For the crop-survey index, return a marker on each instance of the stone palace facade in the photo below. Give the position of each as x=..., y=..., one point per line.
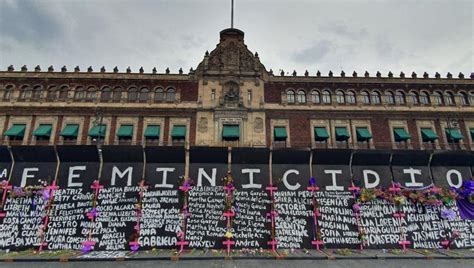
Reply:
x=231, y=99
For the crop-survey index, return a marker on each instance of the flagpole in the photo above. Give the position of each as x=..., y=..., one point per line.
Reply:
x=232, y=14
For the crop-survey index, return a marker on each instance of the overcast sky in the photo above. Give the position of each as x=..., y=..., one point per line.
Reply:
x=373, y=35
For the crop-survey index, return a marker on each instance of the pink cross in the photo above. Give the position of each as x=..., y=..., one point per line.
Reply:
x=185, y=188
x=273, y=243
x=43, y=244
x=404, y=244
x=316, y=213
x=182, y=243
x=271, y=188
x=394, y=188
x=53, y=186
x=88, y=243
x=228, y=243
x=5, y=188
x=399, y=215
x=312, y=188
x=46, y=220
x=354, y=188
x=96, y=186
x=446, y=244
x=229, y=189
x=137, y=227
x=272, y=214
x=317, y=243
x=229, y=214
x=186, y=213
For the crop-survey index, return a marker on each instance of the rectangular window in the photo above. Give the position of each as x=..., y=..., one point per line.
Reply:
x=249, y=95
x=178, y=135
x=213, y=94
x=16, y=132
x=125, y=134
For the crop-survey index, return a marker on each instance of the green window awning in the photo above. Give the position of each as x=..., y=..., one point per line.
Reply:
x=279, y=133
x=152, y=132
x=342, y=134
x=400, y=134
x=320, y=134
x=97, y=131
x=125, y=131
x=16, y=130
x=427, y=134
x=43, y=130
x=70, y=130
x=178, y=132
x=454, y=134
x=230, y=132
x=363, y=134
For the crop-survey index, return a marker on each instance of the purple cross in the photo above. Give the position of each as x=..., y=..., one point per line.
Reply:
x=317, y=243
x=228, y=243
x=134, y=245
x=185, y=187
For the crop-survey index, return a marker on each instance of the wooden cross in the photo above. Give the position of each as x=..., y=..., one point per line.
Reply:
x=317, y=243
x=228, y=243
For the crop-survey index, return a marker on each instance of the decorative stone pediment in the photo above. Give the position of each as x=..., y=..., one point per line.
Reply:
x=231, y=56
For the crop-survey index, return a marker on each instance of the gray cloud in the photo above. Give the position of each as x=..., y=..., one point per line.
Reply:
x=423, y=35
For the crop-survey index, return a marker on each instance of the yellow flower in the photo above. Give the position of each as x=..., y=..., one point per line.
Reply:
x=228, y=235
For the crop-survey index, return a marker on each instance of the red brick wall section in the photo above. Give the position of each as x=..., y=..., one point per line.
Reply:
x=166, y=129
x=139, y=130
x=414, y=133
x=113, y=130
x=381, y=132
x=29, y=136
x=300, y=132
x=192, y=131
x=85, y=130
x=59, y=127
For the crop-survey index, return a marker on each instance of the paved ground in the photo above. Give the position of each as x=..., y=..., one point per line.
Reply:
x=436, y=263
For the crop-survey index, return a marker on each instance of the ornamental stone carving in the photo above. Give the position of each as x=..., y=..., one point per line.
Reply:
x=258, y=126
x=202, y=124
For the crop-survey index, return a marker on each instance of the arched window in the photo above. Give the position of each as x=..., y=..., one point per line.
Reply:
x=375, y=97
x=464, y=98
x=25, y=93
x=37, y=92
x=438, y=98
x=80, y=94
x=64, y=93
x=326, y=97
x=132, y=94
x=315, y=97
x=450, y=99
x=424, y=98
x=389, y=97
x=471, y=97
x=117, y=94
x=351, y=97
x=52, y=93
x=365, y=97
x=340, y=98
x=415, y=98
x=106, y=94
x=144, y=94
x=290, y=96
x=7, y=93
x=301, y=97
x=170, y=94
x=91, y=94
x=159, y=95
x=400, y=98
